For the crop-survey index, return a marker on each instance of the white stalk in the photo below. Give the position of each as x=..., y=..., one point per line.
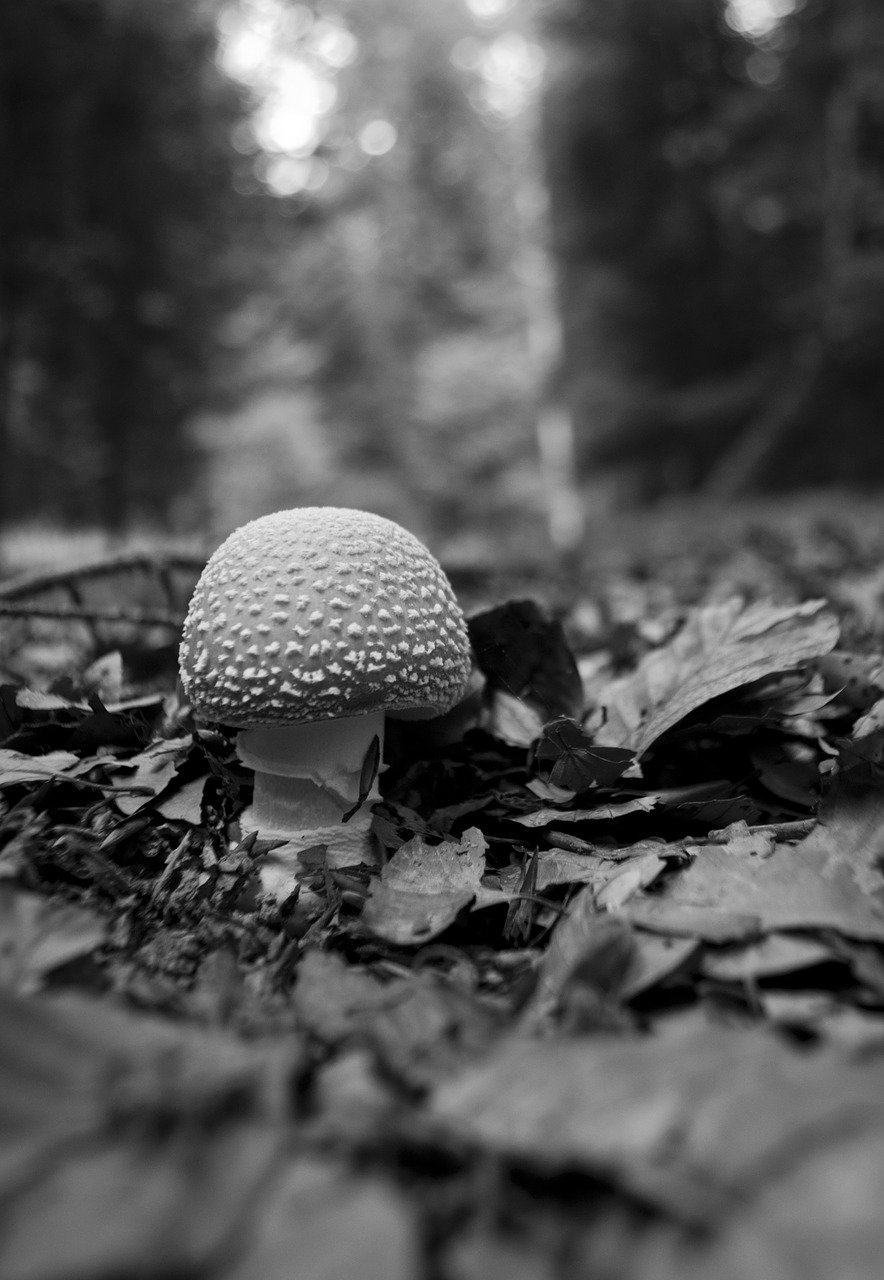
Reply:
x=307, y=776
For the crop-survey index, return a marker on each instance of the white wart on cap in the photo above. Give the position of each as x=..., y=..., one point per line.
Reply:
x=321, y=612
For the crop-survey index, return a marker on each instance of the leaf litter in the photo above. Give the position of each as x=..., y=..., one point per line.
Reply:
x=619, y=976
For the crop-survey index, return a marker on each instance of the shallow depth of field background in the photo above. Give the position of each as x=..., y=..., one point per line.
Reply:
x=499, y=269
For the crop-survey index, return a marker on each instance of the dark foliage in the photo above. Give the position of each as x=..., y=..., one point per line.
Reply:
x=122, y=247
x=717, y=206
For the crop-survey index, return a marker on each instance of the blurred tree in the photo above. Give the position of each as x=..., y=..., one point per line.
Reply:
x=717, y=202
x=120, y=250
x=405, y=284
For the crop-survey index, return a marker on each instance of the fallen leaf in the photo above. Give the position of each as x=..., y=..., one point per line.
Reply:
x=101, y=1211
x=692, y=1117
x=857, y=679
x=587, y=942
x=720, y=648
x=320, y=1222
x=778, y=954
x=816, y=1216
x=525, y=654
x=423, y=888
x=148, y=772
x=739, y=839
x=656, y=958
x=805, y=1009
x=575, y=760
x=546, y=791
x=599, y=813
x=511, y=719
x=38, y=935
x=70, y=1065
x=559, y=866
x=831, y=880
x=419, y=1027
x=17, y=767
x=333, y=998
x=183, y=804
x=480, y=1254
x=637, y=874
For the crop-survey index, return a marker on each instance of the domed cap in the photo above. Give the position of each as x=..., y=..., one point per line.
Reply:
x=321, y=612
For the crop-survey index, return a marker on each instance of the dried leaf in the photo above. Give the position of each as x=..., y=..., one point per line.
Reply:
x=738, y=838
x=636, y=875
x=17, y=767
x=149, y=772
x=546, y=791
x=70, y=1064
x=692, y=1117
x=857, y=679
x=183, y=804
x=418, y=1026
x=525, y=654
x=318, y=1222
x=423, y=888
x=768, y=957
x=831, y=880
x=720, y=648
x=512, y=720
x=574, y=759
x=599, y=813
x=102, y=1211
x=562, y=866
x=522, y=906
x=38, y=935
x=656, y=958
x=587, y=941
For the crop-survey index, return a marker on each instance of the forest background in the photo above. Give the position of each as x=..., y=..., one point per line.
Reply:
x=482, y=266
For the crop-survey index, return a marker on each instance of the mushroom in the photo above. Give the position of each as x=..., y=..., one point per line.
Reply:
x=305, y=629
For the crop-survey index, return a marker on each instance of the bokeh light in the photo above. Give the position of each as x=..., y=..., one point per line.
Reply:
x=758, y=18
x=289, y=59
x=377, y=137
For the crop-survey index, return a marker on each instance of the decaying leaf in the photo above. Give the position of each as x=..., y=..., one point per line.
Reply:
x=148, y=773
x=524, y=653
x=416, y=1025
x=818, y=1215
x=772, y=956
x=319, y=1221
x=720, y=648
x=692, y=1117
x=637, y=874
x=511, y=719
x=589, y=949
x=598, y=813
x=562, y=866
x=575, y=760
x=858, y=679
x=17, y=767
x=831, y=880
x=39, y=935
x=101, y=1211
x=423, y=888
x=71, y=1065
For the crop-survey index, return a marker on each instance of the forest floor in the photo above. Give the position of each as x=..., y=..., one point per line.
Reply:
x=610, y=1005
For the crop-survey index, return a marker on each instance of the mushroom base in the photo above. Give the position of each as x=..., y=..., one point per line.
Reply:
x=307, y=777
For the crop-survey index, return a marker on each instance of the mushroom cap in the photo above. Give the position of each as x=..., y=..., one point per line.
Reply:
x=321, y=612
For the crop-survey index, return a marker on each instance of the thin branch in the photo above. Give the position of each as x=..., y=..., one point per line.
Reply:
x=82, y=613
x=153, y=563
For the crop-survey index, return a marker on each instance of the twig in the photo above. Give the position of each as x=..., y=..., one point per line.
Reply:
x=82, y=613
x=28, y=584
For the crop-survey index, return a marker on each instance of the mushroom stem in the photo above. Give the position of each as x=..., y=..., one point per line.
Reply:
x=307, y=776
